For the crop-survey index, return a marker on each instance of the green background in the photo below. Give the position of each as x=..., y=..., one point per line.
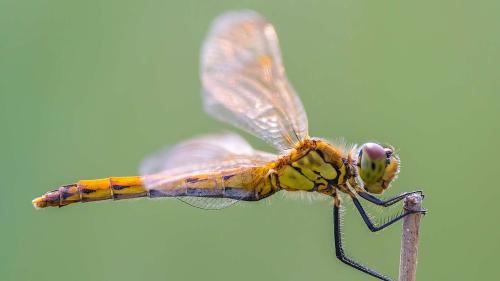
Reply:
x=88, y=88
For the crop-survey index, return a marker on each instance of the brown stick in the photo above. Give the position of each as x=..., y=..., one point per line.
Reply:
x=409, y=240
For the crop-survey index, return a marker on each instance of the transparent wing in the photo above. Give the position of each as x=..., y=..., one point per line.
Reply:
x=244, y=80
x=204, y=154
x=207, y=203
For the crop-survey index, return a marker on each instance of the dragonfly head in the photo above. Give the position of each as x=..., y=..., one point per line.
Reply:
x=377, y=167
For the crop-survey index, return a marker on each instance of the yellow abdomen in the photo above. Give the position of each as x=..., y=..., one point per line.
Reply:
x=242, y=183
x=93, y=190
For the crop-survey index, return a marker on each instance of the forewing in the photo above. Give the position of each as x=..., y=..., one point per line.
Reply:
x=205, y=154
x=244, y=80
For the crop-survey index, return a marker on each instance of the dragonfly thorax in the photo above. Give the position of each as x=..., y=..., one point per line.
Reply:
x=313, y=165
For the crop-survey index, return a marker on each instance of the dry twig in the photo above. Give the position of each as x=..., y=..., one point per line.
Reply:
x=409, y=240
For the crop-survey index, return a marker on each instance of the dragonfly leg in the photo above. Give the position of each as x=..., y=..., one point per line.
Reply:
x=370, y=224
x=339, y=251
x=386, y=203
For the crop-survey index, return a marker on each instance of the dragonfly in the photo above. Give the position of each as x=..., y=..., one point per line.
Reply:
x=244, y=83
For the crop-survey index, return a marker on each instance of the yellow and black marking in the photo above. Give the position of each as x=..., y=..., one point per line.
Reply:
x=314, y=166
x=248, y=184
x=93, y=190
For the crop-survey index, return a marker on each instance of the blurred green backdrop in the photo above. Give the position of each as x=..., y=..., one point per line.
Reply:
x=88, y=88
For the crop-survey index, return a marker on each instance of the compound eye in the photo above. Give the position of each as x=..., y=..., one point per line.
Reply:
x=372, y=163
x=374, y=151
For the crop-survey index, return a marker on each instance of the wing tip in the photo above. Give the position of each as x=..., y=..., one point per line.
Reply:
x=229, y=18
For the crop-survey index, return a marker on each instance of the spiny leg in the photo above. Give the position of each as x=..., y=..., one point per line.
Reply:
x=339, y=251
x=385, y=203
x=377, y=201
x=369, y=223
